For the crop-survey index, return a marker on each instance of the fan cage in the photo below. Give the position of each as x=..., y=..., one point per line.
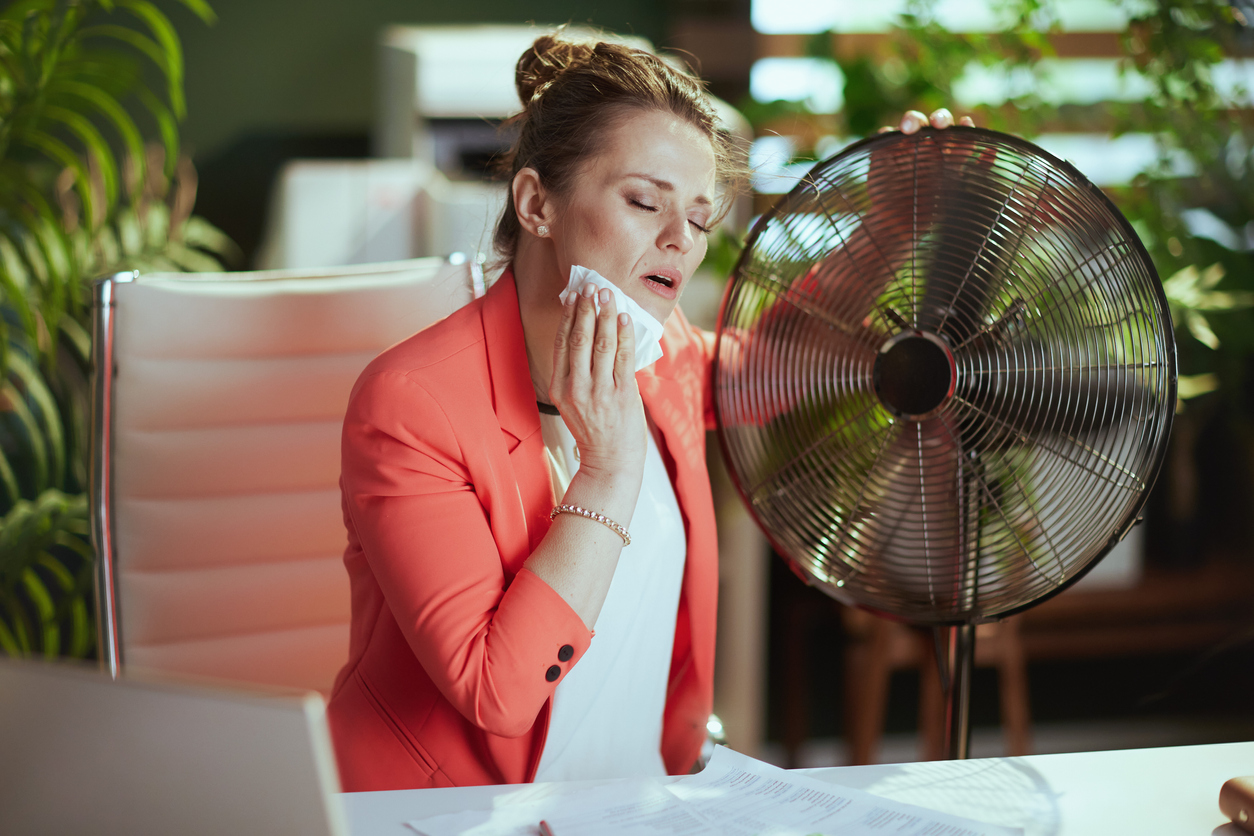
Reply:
x=945, y=375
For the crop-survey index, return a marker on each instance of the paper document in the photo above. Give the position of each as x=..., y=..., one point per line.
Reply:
x=734, y=795
x=740, y=796
x=618, y=807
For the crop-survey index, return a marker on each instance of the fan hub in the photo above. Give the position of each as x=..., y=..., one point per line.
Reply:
x=915, y=374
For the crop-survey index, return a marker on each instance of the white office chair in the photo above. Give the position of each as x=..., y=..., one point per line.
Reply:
x=217, y=406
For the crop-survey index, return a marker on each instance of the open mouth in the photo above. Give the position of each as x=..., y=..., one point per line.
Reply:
x=662, y=280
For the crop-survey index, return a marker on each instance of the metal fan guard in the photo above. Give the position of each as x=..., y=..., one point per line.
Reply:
x=945, y=375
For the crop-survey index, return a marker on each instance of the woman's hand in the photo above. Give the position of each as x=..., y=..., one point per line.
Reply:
x=594, y=386
x=912, y=120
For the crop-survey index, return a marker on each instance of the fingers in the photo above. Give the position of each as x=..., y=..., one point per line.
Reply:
x=912, y=121
x=593, y=350
x=625, y=359
x=941, y=118
x=573, y=349
x=561, y=343
x=605, y=344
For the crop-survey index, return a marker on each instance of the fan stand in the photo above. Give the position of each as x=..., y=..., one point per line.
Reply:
x=955, y=657
x=955, y=644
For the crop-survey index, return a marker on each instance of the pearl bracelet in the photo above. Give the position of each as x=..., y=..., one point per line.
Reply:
x=592, y=515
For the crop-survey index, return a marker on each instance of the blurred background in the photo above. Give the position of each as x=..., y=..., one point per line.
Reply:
x=316, y=133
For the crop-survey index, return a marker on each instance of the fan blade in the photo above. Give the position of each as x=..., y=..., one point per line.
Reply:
x=1029, y=389
x=791, y=357
x=971, y=246
x=908, y=532
x=856, y=274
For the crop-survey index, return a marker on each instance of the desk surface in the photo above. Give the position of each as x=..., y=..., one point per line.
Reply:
x=1171, y=791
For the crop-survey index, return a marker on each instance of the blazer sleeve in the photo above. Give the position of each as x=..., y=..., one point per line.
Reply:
x=489, y=642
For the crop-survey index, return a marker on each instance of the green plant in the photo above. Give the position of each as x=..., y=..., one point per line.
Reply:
x=82, y=194
x=1204, y=167
x=923, y=60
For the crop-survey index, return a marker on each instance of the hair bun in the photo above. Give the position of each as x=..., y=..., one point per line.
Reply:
x=544, y=61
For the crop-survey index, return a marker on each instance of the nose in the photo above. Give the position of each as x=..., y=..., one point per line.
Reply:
x=677, y=234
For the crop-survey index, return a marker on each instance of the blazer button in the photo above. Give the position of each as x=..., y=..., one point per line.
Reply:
x=565, y=653
x=552, y=673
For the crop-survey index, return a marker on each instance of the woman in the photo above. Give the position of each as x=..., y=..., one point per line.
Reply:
x=496, y=465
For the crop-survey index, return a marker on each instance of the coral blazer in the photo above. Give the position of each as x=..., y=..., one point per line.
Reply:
x=455, y=648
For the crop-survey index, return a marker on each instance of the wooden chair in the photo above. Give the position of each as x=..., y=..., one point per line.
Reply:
x=877, y=647
x=217, y=406
x=873, y=649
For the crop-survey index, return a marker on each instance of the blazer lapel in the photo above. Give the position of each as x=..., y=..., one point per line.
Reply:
x=512, y=395
x=515, y=404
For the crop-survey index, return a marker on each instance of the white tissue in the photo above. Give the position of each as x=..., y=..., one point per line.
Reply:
x=648, y=330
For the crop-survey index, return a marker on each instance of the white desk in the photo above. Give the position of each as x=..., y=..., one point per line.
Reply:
x=1135, y=792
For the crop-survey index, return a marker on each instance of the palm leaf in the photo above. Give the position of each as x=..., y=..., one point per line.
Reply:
x=197, y=232
x=201, y=9
x=77, y=337
x=38, y=595
x=166, y=124
x=82, y=629
x=72, y=607
x=108, y=107
x=139, y=41
x=191, y=260
x=36, y=541
x=14, y=281
x=36, y=444
x=18, y=10
x=9, y=479
x=8, y=641
x=14, y=635
x=61, y=153
x=37, y=391
x=165, y=35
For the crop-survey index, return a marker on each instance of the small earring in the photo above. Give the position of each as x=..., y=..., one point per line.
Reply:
x=542, y=230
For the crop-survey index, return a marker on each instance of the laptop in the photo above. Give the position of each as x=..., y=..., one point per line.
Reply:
x=80, y=753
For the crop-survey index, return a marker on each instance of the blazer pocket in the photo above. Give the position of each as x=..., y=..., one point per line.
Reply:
x=403, y=736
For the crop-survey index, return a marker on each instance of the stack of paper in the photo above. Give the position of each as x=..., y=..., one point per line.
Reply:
x=734, y=796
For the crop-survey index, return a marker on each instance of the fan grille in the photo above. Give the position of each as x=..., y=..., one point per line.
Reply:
x=945, y=375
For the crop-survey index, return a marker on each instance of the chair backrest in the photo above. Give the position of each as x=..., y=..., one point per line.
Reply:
x=216, y=437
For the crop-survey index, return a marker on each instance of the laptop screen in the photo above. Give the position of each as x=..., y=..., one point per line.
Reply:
x=79, y=752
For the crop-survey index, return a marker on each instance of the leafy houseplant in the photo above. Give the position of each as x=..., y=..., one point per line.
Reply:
x=82, y=194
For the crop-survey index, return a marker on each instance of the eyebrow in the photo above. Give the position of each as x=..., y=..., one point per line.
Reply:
x=668, y=186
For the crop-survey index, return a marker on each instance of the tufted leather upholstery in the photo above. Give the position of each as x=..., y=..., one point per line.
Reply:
x=227, y=399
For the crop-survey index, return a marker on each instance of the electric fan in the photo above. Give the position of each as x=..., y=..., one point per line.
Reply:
x=945, y=381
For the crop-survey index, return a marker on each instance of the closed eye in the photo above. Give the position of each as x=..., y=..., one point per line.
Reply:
x=646, y=207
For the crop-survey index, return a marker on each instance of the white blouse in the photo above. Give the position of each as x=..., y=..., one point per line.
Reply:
x=606, y=716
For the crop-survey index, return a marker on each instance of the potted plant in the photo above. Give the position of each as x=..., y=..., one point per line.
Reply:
x=83, y=192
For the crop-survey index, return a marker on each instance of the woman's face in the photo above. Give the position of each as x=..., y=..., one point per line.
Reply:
x=638, y=211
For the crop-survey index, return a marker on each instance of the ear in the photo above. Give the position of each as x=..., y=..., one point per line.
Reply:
x=533, y=203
